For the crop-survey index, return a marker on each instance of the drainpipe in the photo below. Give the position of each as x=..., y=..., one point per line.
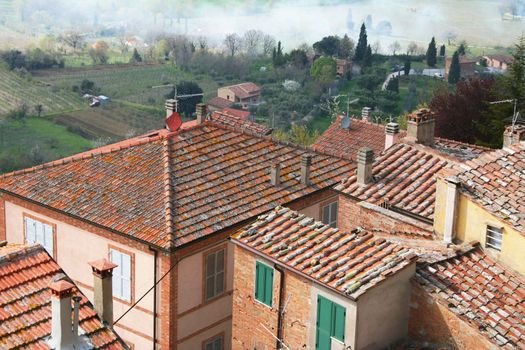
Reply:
x=280, y=315
x=155, y=254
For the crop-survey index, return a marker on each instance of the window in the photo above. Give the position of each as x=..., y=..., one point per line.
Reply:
x=330, y=214
x=263, y=283
x=494, y=237
x=121, y=275
x=330, y=323
x=39, y=232
x=214, y=344
x=214, y=274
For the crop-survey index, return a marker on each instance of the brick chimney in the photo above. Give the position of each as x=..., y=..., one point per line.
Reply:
x=275, y=174
x=171, y=106
x=391, y=134
x=420, y=127
x=514, y=135
x=365, y=160
x=365, y=113
x=306, y=164
x=62, y=336
x=451, y=206
x=202, y=112
x=103, y=289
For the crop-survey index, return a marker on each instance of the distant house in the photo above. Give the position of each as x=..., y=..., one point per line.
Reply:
x=500, y=62
x=218, y=104
x=468, y=66
x=245, y=94
x=343, y=67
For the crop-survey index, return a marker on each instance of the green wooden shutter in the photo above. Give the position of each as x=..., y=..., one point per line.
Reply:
x=263, y=283
x=338, y=328
x=258, y=281
x=268, y=292
x=324, y=323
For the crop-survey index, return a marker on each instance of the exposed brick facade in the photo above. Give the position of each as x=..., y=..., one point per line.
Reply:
x=249, y=315
x=431, y=322
x=352, y=215
x=2, y=218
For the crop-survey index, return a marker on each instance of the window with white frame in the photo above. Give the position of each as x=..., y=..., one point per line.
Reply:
x=121, y=274
x=494, y=237
x=330, y=214
x=214, y=344
x=39, y=232
x=214, y=272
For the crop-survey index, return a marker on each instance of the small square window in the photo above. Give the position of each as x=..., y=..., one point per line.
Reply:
x=330, y=214
x=216, y=343
x=494, y=237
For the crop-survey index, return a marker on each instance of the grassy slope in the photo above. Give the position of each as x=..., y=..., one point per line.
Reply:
x=15, y=90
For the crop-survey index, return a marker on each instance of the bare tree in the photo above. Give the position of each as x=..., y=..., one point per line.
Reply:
x=73, y=39
x=268, y=44
x=412, y=48
x=122, y=43
x=233, y=43
x=394, y=47
x=451, y=36
x=202, y=43
x=376, y=47
x=252, y=41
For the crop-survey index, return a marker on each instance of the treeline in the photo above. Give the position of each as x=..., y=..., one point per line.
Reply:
x=32, y=59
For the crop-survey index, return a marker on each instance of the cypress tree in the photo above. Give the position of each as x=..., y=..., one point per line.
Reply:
x=431, y=53
x=407, y=66
x=454, y=72
x=442, y=51
x=367, y=58
x=360, y=50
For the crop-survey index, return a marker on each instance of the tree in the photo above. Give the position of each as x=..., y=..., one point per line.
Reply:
x=99, y=52
x=376, y=47
x=186, y=105
x=278, y=58
x=514, y=81
x=462, y=49
x=432, y=53
x=346, y=48
x=324, y=70
x=407, y=66
x=299, y=134
x=327, y=46
x=135, y=58
x=233, y=43
x=393, y=85
x=202, y=43
x=412, y=48
x=367, y=59
x=394, y=47
x=73, y=39
x=14, y=59
x=454, y=73
x=268, y=44
x=252, y=42
x=460, y=115
x=297, y=58
x=122, y=43
x=39, y=109
x=19, y=114
x=362, y=43
x=442, y=49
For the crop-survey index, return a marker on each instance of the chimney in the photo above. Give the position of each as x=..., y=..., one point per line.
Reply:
x=451, y=204
x=201, y=113
x=365, y=113
x=365, y=159
x=103, y=289
x=306, y=163
x=513, y=135
x=391, y=134
x=420, y=127
x=76, y=311
x=275, y=174
x=62, y=336
x=171, y=106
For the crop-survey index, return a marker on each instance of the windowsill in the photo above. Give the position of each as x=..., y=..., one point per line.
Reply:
x=264, y=304
x=212, y=299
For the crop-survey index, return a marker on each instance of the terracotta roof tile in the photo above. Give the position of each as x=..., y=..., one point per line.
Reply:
x=219, y=102
x=482, y=292
x=206, y=178
x=496, y=180
x=244, y=90
x=236, y=113
x=350, y=263
x=25, y=302
x=241, y=123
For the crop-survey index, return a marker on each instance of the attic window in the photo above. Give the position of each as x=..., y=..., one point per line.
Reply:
x=494, y=237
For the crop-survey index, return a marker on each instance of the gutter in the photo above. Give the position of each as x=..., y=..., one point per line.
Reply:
x=280, y=313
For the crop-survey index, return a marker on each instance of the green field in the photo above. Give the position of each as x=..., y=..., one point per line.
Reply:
x=15, y=90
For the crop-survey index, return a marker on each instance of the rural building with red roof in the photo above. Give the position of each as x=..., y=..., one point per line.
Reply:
x=245, y=94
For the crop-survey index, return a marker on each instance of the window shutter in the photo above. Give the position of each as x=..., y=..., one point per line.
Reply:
x=268, y=293
x=39, y=229
x=338, y=330
x=326, y=214
x=258, y=281
x=117, y=273
x=126, y=277
x=30, y=231
x=48, y=239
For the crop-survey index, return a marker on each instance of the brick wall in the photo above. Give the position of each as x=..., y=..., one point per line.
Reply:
x=432, y=322
x=352, y=215
x=249, y=314
x=2, y=218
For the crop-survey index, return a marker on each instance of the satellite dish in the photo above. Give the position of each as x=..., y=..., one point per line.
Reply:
x=345, y=122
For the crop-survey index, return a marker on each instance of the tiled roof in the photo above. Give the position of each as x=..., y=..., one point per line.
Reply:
x=244, y=90
x=350, y=263
x=219, y=102
x=405, y=175
x=482, y=292
x=170, y=189
x=496, y=180
x=25, y=302
x=345, y=143
x=236, y=113
x=239, y=123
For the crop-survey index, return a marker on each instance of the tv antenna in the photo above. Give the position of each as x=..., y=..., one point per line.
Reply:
x=515, y=115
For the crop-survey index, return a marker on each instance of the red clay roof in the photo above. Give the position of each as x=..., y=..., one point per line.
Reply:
x=25, y=302
x=219, y=102
x=244, y=90
x=239, y=123
x=482, y=292
x=496, y=180
x=345, y=143
x=172, y=188
x=405, y=175
x=349, y=262
x=236, y=113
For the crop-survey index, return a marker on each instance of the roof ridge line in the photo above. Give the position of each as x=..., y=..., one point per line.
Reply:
x=461, y=250
x=168, y=188
x=464, y=143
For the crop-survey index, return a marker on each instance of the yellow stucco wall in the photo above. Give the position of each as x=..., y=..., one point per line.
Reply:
x=471, y=225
